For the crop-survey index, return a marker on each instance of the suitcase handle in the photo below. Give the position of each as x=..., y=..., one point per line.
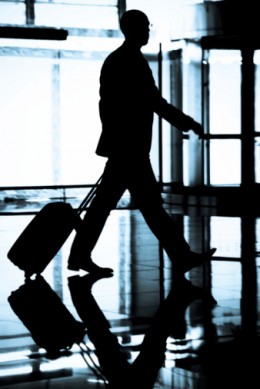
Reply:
x=89, y=197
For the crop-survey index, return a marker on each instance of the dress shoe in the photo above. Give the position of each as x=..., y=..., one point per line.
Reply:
x=90, y=267
x=194, y=260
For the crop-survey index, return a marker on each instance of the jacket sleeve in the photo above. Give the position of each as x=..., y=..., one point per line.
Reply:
x=172, y=114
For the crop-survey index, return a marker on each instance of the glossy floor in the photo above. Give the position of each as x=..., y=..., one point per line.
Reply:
x=144, y=328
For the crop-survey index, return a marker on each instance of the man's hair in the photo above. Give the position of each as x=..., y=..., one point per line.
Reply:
x=132, y=19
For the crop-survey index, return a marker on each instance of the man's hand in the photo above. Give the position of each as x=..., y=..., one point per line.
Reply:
x=197, y=128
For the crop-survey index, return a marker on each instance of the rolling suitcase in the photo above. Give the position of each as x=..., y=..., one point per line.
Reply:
x=51, y=325
x=43, y=237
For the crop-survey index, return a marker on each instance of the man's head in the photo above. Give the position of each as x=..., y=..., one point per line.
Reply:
x=134, y=25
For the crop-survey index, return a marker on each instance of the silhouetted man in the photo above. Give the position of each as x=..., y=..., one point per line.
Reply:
x=128, y=100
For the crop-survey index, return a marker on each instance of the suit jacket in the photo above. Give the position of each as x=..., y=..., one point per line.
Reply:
x=128, y=100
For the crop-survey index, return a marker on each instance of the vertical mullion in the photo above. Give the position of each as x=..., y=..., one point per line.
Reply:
x=121, y=6
x=56, y=133
x=205, y=117
x=160, y=150
x=247, y=117
x=30, y=12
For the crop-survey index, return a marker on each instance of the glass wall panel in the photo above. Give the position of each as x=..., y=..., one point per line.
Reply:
x=186, y=162
x=225, y=234
x=26, y=116
x=76, y=15
x=12, y=12
x=257, y=114
x=257, y=245
x=257, y=90
x=79, y=121
x=257, y=160
x=192, y=104
x=50, y=122
x=225, y=162
x=225, y=94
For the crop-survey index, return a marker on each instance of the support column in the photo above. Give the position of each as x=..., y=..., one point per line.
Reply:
x=248, y=118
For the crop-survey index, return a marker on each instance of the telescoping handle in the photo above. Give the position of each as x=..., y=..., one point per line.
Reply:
x=89, y=197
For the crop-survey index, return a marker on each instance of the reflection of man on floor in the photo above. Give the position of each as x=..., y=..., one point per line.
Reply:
x=169, y=320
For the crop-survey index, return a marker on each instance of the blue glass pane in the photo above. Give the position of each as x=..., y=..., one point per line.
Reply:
x=257, y=229
x=257, y=89
x=26, y=111
x=76, y=15
x=225, y=234
x=186, y=162
x=12, y=12
x=257, y=160
x=225, y=94
x=225, y=162
x=49, y=121
x=80, y=124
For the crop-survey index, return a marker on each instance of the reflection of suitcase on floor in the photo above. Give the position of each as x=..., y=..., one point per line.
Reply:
x=50, y=323
x=45, y=234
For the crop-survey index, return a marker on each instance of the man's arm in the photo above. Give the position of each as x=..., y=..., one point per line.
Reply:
x=175, y=116
x=178, y=118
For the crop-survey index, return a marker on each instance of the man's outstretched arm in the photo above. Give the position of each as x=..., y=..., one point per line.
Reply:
x=176, y=117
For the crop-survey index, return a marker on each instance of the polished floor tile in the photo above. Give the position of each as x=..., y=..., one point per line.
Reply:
x=144, y=328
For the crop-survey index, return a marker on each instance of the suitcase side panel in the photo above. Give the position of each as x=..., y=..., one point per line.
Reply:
x=43, y=237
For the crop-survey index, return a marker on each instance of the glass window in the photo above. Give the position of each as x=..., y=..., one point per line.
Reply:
x=25, y=101
x=225, y=233
x=76, y=15
x=257, y=90
x=257, y=160
x=225, y=93
x=185, y=161
x=80, y=124
x=225, y=162
x=49, y=120
x=12, y=12
x=257, y=248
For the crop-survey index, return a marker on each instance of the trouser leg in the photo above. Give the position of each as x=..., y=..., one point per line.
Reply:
x=146, y=193
x=166, y=231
